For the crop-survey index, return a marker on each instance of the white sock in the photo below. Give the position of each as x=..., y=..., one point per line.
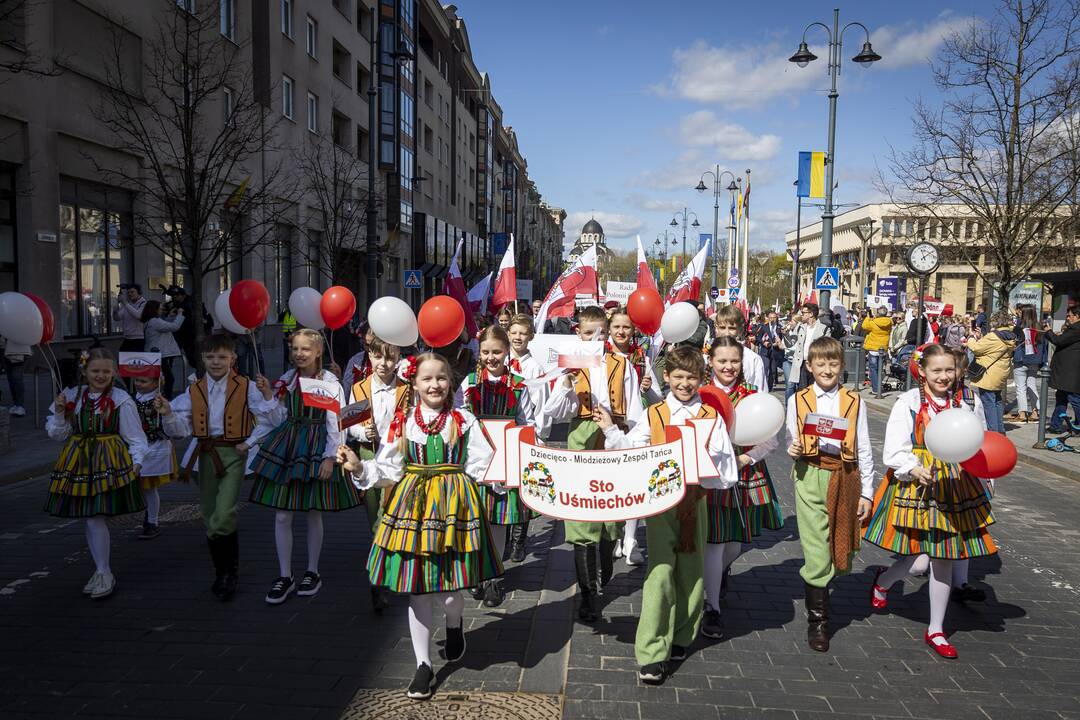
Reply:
x=420, y=628
x=153, y=505
x=629, y=536
x=732, y=551
x=714, y=573
x=454, y=607
x=283, y=541
x=498, y=536
x=921, y=565
x=959, y=573
x=97, y=538
x=941, y=575
x=899, y=569
x=314, y=540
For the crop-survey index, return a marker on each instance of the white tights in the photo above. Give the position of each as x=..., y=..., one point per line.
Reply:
x=498, y=536
x=153, y=505
x=718, y=557
x=629, y=537
x=420, y=620
x=960, y=569
x=283, y=538
x=97, y=539
x=941, y=581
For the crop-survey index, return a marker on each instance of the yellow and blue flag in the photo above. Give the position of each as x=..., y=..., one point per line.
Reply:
x=811, y=174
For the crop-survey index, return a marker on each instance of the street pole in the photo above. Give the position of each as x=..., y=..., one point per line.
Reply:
x=685, y=210
x=716, y=230
x=798, y=251
x=827, y=214
x=746, y=230
x=372, y=258
x=731, y=240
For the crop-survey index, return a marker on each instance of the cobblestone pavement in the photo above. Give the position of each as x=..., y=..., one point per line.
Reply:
x=163, y=647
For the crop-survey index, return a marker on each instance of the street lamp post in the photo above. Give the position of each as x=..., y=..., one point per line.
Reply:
x=717, y=176
x=865, y=231
x=802, y=57
x=685, y=216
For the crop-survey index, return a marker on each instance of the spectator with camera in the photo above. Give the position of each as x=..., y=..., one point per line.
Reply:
x=159, y=338
x=128, y=312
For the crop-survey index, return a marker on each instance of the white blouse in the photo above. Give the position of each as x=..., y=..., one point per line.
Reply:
x=562, y=403
x=896, y=453
x=334, y=435
x=526, y=410
x=59, y=425
x=530, y=370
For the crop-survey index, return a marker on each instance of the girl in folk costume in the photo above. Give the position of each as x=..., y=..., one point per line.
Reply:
x=622, y=342
x=296, y=470
x=521, y=362
x=159, y=465
x=927, y=506
x=95, y=474
x=433, y=539
x=492, y=391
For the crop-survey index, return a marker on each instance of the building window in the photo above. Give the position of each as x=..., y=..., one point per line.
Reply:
x=287, y=96
x=407, y=114
x=282, y=274
x=313, y=113
x=341, y=62
x=363, y=79
x=286, y=18
x=363, y=152
x=342, y=6
x=186, y=5
x=407, y=12
x=340, y=129
x=429, y=92
x=312, y=37
x=363, y=20
x=228, y=19
x=314, y=268
x=228, y=102
x=406, y=168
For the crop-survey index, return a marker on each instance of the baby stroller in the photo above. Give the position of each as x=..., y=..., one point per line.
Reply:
x=896, y=377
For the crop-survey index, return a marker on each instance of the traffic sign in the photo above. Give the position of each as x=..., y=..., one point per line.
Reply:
x=733, y=281
x=413, y=280
x=734, y=272
x=826, y=278
x=733, y=294
x=714, y=292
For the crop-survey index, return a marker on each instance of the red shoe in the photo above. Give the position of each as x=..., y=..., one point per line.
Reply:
x=875, y=589
x=944, y=650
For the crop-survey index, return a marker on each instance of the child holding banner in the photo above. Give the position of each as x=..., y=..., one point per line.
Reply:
x=834, y=479
x=296, y=469
x=227, y=416
x=673, y=598
x=159, y=463
x=612, y=386
x=492, y=391
x=433, y=539
x=729, y=322
x=95, y=475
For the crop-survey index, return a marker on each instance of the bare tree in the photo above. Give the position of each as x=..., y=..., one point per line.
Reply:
x=996, y=158
x=23, y=58
x=206, y=195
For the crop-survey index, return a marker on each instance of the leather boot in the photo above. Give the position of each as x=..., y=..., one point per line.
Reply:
x=585, y=566
x=607, y=561
x=817, y=618
x=231, y=564
x=216, y=556
x=518, y=533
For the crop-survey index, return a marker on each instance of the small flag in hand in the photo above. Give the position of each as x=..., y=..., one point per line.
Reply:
x=321, y=394
x=354, y=414
x=140, y=364
x=825, y=426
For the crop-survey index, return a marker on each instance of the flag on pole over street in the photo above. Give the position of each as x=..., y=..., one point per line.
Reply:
x=578, y=279
x=811, y=175
x=688, y=285
x=645, y=277
x=454, y=286
x=505, y=291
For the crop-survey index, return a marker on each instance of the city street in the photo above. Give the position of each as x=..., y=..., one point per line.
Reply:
x=161, y=646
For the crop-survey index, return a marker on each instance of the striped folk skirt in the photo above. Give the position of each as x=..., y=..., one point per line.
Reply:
x=727, y=516
x=433, y=535
x=286, y=472
x=505, y=509
x=759, y=496
x=93, y=476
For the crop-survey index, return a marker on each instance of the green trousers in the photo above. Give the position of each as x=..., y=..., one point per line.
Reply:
x=811, y=492
x=372, y=497
x=586, y=435
x=673, y=597
x=219, y=494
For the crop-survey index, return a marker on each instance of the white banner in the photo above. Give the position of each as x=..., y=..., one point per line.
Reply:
x=619, y=291
x=558, y=351
x=876, y=301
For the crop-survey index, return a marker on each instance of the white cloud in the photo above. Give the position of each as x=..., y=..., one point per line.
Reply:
x=616, y=225
x=680, y=174
x=903, y=45
x=767, y=227
x=654, y=204
x=729, y=141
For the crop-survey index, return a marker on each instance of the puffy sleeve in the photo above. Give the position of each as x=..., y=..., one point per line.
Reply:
x=333, y=430
x=761, y=450
x=480, y=451
x=131, y=428
x=459, y=394
x=723, y=456
x=268, y=414
x=653, y=394
x=865, y=453
x=635, y=412
x=384, y=470
x=896, y=452
x=178, y=423
x=562, y=401
x=526, y=411
x=637, y=436
x=754, y=369
x=58, y=425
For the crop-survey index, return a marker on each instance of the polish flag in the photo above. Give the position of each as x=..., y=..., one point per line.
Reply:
x=321, y=394
x=140, y=364
x=825, y=426
x=354, y=414
x=478, y=295
x=454, y=286
x=505, y=280
x=688, y=285
x=578, y=279
x=645, y=277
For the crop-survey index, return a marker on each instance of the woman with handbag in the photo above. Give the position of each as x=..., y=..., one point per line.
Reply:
x=991, y=367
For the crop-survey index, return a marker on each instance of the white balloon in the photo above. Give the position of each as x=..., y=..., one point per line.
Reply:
x=393, y=321
x=224, y=316
x=304, y=305
x=758, y=417
x=954, y=435
x=679, y=323
x=20, y=319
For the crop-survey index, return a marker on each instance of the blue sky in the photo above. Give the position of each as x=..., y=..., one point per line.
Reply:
x=619, y=106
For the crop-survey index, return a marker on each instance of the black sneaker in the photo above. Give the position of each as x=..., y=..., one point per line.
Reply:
x=478, y=591
x=493, y=594
x=149, y=532
x=967, y=593
x=281, y=589
x=309, y=584
x=678, y=653
x=420, y=687
x=379, y=599
x=455, y=643
x=229, y=585
x=711, y=625
x=652, y=674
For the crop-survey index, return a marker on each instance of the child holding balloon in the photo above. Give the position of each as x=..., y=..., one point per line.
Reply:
x=96, y=474
x=430, y=459
x=928, y=505
x=296, y=469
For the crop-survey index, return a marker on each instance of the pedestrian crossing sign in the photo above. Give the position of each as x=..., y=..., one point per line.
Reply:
x=827, y=278
x=413, y=280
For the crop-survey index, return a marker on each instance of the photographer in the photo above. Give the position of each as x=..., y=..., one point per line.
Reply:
x=159, y=338
x=129, y=311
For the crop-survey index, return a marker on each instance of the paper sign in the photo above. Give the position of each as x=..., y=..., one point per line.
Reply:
x=140, y=364
x=825, y=426
x=619, y=291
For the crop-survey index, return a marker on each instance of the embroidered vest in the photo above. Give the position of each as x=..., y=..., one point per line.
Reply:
x=615, y=367
x=660, y=417
x=238, y=419
x=806, y=403
x=362, y=391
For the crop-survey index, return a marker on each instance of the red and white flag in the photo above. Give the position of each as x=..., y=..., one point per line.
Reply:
x=478, y=295
x=140, y=364
x=454, y=286
x=825, y=426
x=321, y=394
x=688, y=285
x=354, y=414
x=578, y=279
x=505, y=291
x=645, y=277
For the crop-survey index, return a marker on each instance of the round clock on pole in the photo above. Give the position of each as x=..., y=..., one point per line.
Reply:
x=923, y=258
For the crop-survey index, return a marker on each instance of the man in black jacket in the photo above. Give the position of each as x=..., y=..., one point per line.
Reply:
x=918, y=331
x=1065, y=373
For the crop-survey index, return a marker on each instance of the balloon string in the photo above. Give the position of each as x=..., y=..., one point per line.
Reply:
x=254, y=351
x=53, y=376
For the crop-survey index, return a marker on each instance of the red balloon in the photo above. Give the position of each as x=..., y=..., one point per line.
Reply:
x=48, y=325
x=645, y=309
x=338, y=306
x=249, y=302
x=719, y=401
x=995, y=459
x=440, y=321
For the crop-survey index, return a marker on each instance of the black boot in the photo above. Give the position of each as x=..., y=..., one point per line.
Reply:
x=231, y=563
x=380, y=598
x=817, y=618
x=478, y=591
x=607, y=561
x=518, y=534
x=217, y=557
x=585, y=565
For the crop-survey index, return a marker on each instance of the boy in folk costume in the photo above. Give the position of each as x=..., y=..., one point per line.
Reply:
x=575, y=398
x=522, y=363
x=673, y=598
x=834, y=482
x=227, y=416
